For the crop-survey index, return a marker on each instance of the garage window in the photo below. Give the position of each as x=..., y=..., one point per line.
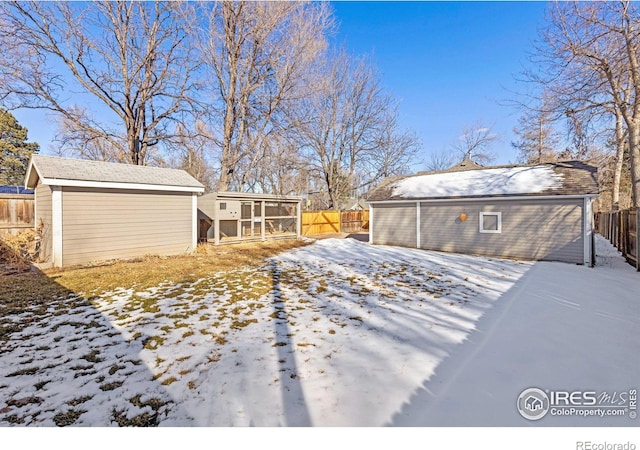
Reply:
x=490, y=222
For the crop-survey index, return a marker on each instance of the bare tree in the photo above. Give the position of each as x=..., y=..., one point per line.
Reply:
x=474, y=143
x=441, y=160
x=349, y=130
x=191, y=151
x=258, y=55
x=589, y=55
x=82, y=142
x=538, y=139
x=282, y=171
x=130, y=60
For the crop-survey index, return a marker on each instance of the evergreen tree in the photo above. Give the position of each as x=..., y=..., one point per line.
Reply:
x=15, y=151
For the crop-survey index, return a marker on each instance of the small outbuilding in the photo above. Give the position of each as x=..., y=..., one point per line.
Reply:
x=226, y=217
x=91, y=211
x=535, y=212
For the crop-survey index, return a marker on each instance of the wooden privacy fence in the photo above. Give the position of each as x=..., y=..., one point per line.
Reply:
x=330, y=221
x=621, y=229
x=354, y=221
x=16, y=213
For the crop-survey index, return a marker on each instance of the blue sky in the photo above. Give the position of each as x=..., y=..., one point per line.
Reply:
x=450, y=64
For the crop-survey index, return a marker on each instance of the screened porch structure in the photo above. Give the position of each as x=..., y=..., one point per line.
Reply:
x=225, y=217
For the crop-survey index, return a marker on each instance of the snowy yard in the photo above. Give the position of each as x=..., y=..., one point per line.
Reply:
x=338, y=333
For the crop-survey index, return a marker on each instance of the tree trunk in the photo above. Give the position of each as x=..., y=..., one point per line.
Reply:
x=617, y=175
x=634, y=154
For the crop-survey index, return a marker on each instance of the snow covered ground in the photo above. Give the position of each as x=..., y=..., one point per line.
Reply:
x=338, y=333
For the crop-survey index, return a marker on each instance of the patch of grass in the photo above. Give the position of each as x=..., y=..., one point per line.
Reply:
x=40, y=384
x=324, y=287
x=26, y=371
x=151, y=271
x=20, y=402
x=68, y=418
x=111, y=386
x=13, y=419
x=92, y=357
x=113, y=369
x=187, y=334
x=79, y=400
x=169, y=381
x=152, y=342
x=239, y=324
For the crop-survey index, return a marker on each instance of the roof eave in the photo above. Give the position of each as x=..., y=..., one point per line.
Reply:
x=119, y=185
x=486, y=198
x=31, y=177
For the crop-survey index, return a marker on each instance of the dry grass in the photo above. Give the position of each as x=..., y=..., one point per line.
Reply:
x=17, y=251
x=141, y=273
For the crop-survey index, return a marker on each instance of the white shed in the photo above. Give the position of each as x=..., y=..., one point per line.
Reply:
x=94, y=211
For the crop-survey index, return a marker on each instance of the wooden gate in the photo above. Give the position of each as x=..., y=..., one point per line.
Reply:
x=354, y=221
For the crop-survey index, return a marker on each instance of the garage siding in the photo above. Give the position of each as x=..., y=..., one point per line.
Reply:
x=531, y=229
x=102, y=224
x=395, y=225
x=43, y=219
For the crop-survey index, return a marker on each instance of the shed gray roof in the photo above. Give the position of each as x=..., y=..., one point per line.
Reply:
x=54, y=168
x=568, y=178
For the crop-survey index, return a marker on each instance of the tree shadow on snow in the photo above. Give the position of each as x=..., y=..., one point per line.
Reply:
x=296, y=412
x=64, y=363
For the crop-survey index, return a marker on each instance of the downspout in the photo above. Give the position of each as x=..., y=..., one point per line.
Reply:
x=370, y=224
x=417, y=224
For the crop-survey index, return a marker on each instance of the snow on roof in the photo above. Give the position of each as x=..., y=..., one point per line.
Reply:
x=486, y=182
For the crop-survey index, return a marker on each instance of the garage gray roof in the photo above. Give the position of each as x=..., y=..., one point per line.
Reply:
x=473, y=181
x=54, y=168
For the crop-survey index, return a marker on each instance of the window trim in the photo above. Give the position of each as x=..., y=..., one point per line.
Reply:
x=497, y=214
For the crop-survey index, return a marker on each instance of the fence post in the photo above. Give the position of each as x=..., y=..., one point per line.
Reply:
x=637, y=239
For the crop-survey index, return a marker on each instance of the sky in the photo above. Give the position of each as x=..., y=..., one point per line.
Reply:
x=449, y=64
